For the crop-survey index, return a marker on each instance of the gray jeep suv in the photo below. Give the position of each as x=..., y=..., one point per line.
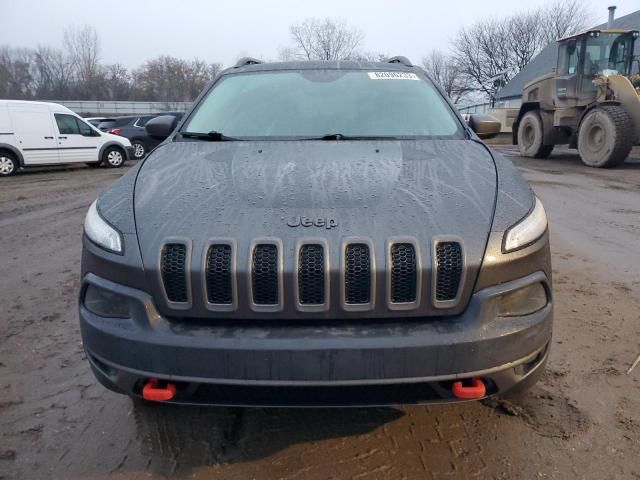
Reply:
x=318, y=234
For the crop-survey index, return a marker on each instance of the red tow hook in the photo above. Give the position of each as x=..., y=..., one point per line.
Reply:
x=469, y=389
x=151, y=391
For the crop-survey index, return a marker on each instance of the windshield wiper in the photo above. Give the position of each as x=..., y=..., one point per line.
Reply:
x=340, y=136
x=211, y=136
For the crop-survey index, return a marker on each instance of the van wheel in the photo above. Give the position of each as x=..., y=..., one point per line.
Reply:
x=8, y=164
x=113, y=157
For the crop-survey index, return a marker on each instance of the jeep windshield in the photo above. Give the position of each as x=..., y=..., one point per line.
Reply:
x=323, y=104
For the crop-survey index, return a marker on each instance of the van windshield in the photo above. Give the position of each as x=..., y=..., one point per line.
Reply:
x=306, y=104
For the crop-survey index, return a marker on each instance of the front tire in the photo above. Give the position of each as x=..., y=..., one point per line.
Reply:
x=605, y=137
x=531, y=135
x=139, y=150
x=113, y=157
x=8, y=164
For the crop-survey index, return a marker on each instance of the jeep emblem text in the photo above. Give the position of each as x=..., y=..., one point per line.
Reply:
x=327, y=223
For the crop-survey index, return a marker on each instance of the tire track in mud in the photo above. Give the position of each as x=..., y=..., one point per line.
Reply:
x=180, y=437
x=22, y=203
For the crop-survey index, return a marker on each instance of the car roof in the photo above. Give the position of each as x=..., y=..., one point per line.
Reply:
x=322, y=65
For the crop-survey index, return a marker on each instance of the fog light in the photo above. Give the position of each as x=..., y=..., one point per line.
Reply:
x=523, y=301
x=104, y=303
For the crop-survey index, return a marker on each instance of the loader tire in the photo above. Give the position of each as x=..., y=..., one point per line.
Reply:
x=530, y=136
x=606, y=136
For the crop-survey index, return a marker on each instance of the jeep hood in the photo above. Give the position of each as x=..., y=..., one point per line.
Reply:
x=327, y=190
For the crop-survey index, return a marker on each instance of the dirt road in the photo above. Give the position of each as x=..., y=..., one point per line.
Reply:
x=581, y=421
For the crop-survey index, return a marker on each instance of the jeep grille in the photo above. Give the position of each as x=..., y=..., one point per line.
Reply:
x=283, y=278
x=448, y=270
x=311, y=275
x=404, y=278
x=264, y=274
x=218, y=275
x=173, y=270
x=357, y=273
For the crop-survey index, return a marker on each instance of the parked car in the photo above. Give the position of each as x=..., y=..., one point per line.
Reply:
x=95, y=121
x=38, y=133
x=318, y=233
x=132, y=127
x=106, y=124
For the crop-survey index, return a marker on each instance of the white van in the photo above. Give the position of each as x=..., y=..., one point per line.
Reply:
x=39, y=133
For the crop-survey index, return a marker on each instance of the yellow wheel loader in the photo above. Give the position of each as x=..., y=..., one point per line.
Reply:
x=591, y=101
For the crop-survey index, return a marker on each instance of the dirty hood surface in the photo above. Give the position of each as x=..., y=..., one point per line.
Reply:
x=330, y=190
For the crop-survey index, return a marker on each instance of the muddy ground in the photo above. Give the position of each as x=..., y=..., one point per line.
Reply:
x=581, y=421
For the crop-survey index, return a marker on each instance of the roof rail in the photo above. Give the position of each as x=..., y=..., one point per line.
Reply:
x=244, y=61
x=400, y=59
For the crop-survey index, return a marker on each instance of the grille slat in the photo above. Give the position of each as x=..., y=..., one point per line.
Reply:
x=173, y=269
x=264, y=274
x=448, y=270
x=404, y=275
x=218, y=275
x=311, y=275
x=357, y=281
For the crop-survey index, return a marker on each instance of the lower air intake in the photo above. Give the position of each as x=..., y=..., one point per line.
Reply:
x=264, y=274
x=448, y=270
x=173, y=269
x=357, y=281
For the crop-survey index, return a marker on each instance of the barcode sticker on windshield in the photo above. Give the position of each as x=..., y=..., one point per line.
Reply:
x=393, y=76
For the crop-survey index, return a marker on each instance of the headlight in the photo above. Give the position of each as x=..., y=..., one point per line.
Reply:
x=523, y=301
x=100, y=232
x=104, y=303
x=528, y=230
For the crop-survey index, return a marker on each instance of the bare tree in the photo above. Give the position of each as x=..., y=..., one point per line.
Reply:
x=118, y=82
x=364, y=56
x=326, y=39
x=170, y=79
x=53, y=74
x=483, y=51
x=83, y=48
x=525, y=36
x=562, y=18
x=503, y=47
x=15, y=73
x=447, y=73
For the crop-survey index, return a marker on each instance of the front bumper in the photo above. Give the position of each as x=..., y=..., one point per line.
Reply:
x=325, y=364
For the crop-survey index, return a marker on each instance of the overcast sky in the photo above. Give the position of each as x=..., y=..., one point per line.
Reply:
x=133, y=31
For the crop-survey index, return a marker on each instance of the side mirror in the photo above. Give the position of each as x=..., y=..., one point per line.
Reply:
x=485, y=126
x=161, y=127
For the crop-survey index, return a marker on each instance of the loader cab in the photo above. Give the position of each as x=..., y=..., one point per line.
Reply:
x=583, y=57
